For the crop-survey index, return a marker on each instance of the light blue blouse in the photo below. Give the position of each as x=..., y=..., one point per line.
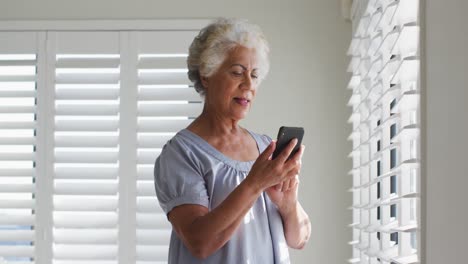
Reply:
x=191, y=171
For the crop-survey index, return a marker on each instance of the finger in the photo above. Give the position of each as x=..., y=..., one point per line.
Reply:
x=296, y=159
x=266, y=154
x=285, y=185
x=299, y=153
x=293, y=183
x=301, y=150
x=279, y=186
x=292, y=170
x=283, y=156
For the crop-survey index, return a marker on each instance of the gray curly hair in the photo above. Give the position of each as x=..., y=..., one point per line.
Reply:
x=210, y=48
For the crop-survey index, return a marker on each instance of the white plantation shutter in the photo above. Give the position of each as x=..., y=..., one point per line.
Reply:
x=83, y=116
x=386, y=126
x=86, y=146
x=18, y=141
x=166, y=103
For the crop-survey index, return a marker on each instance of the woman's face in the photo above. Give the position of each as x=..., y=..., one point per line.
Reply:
x=231, y=90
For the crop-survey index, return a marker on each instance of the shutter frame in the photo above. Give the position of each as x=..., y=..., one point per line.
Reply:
x=385, y=65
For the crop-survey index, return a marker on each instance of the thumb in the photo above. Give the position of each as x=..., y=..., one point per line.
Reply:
x=266, y=154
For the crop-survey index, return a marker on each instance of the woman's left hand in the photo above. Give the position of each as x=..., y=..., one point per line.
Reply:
x=284, y=195
x=296, y=222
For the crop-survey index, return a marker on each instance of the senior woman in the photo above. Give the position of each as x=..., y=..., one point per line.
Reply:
x=228, y=201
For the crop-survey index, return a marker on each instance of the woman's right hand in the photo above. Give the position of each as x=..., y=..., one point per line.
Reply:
x=266, y=172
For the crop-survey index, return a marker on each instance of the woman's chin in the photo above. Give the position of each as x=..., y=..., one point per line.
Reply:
x=240, y=115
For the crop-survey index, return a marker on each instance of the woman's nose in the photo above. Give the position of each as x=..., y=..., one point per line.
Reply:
x=247, y=82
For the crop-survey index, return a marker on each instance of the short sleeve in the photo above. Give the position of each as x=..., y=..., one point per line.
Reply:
x=178, y=178
x=265, y=141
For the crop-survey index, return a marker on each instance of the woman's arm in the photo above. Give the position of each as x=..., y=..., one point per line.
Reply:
x=203, y=231
x=297, y=226
x=296, y=222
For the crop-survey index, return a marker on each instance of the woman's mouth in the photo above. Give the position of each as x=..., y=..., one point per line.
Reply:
x=242, y=101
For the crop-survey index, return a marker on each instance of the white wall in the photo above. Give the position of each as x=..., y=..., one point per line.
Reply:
x=446, y=131
x=306, y=87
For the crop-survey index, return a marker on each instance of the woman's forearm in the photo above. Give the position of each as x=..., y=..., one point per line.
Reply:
x=297, y=226
x=211, y=231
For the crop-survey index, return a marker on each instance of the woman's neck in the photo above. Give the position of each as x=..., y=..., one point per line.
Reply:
x=210, y=124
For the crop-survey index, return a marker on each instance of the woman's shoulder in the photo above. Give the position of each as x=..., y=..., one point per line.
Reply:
x=263, y=140
x=179, y=146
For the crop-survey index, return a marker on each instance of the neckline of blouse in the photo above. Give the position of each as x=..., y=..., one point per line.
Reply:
x=207, y=147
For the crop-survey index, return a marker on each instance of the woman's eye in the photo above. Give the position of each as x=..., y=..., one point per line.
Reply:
x=237, y=73
x=254, y=76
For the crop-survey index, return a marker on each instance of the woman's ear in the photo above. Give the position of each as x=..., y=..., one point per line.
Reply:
x=204, y=81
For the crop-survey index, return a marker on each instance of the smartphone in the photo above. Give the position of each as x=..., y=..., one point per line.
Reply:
x=285, y=135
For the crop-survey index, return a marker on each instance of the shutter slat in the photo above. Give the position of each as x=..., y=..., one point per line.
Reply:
x=152, y=141
x=15, y=109
x=87, y=63
x=146, y=188
x=85, y=237
x=85, y=220
x=152, y=253
x=408, y=101
x=190, y=110
x=84, y=141
x=407, y=71
x=145, y=172
x=16, y=188
x=410, y=259
x=153, y=237
x=17, y=63
x=17, y=93
x=86, y=125
x=168, y=94
x=85, y=204
x=162, y=126
x=84, y=252
x=18, y=125
x=148, y=205
x=15, y=220
x=162, y=63
x=152, y=221
x=87, y=262
x=86, y=173
x=87, y=78
x=110, y=156
x=163, y=78
x=147, y=156
x=17, y=204
x=408, y=41
x=87, y=109
x=18, y=78
x=17, y=140
x=83, y=188
x=16, y=235
x=17, y=251
x=86, y=93
x=151, y=262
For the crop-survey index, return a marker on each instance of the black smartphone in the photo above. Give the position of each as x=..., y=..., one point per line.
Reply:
x=285, y=135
